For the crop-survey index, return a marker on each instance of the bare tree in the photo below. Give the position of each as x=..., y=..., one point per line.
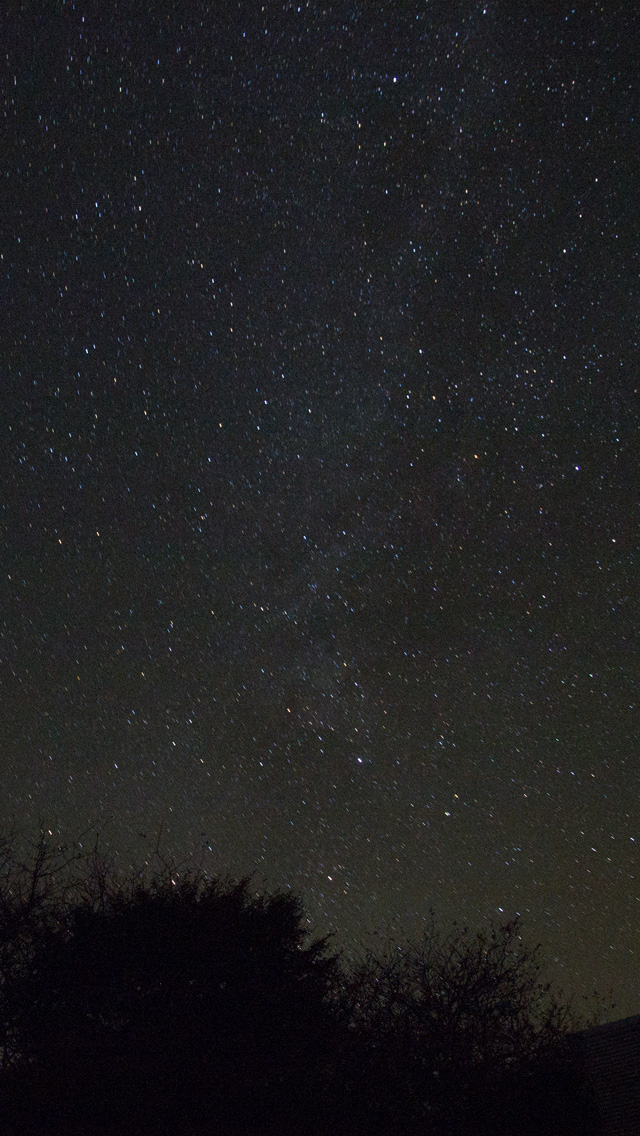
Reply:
x=454, y=1032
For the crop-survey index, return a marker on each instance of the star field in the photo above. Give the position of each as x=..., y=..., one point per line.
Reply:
x=320, y=456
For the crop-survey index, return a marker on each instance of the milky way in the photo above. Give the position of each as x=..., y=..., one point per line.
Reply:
x=320, y=457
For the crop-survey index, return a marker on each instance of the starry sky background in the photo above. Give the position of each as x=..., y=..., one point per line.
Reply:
x=320, y=462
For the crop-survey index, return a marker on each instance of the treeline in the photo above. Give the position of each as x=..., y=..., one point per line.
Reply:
x=174, y=1003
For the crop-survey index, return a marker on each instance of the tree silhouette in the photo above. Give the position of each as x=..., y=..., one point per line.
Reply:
x=460, y=1035
x=184, y=1002
x=35, y=887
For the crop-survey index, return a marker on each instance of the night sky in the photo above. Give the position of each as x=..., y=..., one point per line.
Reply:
x=320, y=460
